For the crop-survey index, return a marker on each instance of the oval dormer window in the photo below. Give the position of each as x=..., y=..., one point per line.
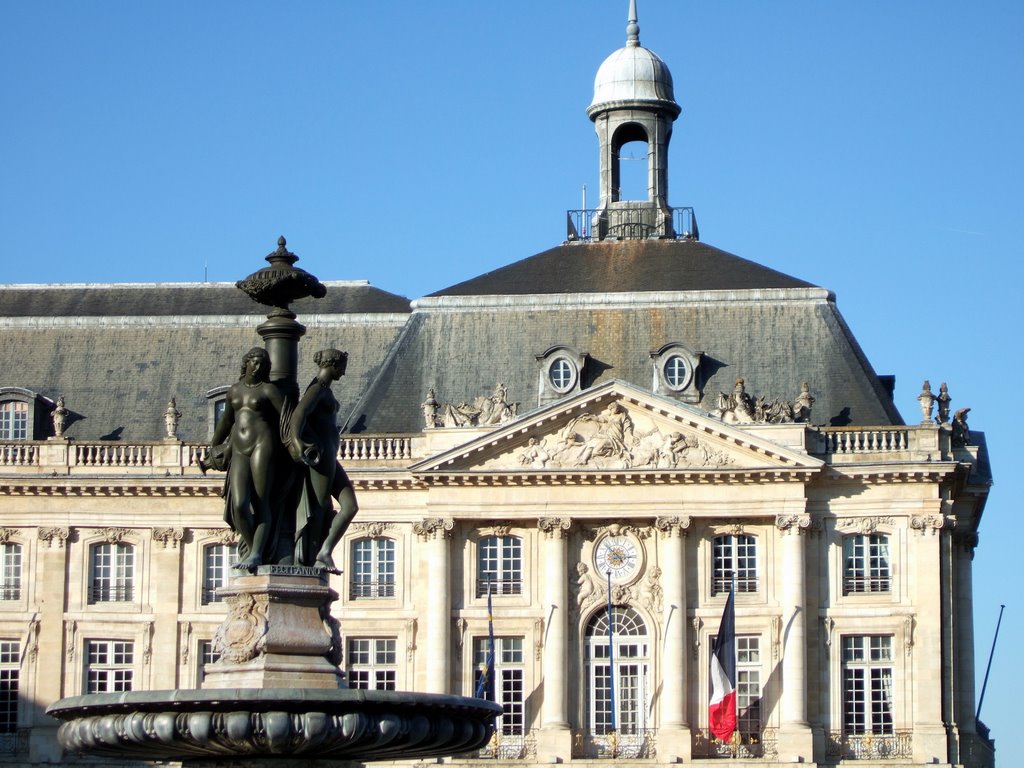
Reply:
x=677, y=373
x=561, y=374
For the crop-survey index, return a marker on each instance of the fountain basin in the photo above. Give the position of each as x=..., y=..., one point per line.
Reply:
x=268, y=723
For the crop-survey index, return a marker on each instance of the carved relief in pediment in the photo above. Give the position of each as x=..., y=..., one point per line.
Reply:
x=613, y=438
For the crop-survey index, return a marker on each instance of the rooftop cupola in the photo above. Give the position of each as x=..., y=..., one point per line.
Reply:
x=633, y=101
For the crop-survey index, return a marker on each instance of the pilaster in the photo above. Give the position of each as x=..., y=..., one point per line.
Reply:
x=554, y=740
x=164, y=579
x=925, y=645
x=49, y=654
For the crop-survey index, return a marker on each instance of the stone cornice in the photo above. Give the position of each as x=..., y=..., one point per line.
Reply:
x=620, y=477
x=631, y=300
x=130, y=487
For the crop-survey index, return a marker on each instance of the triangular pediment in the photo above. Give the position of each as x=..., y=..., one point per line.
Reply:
x=617, y=427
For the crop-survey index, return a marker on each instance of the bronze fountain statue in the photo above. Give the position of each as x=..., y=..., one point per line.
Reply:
x=277, y=691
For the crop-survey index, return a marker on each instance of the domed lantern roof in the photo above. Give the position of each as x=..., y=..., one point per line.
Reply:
x=633, y=76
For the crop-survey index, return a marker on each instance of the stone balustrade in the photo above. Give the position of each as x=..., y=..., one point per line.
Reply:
x=836, y=445
x=105, y=457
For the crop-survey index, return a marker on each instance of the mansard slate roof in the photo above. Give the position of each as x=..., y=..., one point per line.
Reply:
x=148, y=299
x=617, y=302
x=625, y=266
x=119, y=353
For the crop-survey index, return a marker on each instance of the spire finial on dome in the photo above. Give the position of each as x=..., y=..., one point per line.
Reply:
x=632, y=28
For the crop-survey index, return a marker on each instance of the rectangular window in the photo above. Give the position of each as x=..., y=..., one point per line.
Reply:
x=218, y=560
x=508, y=683
x=10, y=571
x=10, y=673
x=509, y=680
x=866, y=564
x=867, y=684
x=109, y=666
x=372, y=663
x=373, y=569
x=499, y=565
x=112, y=569
x=13, y=420
x=748, y=683
x=207, y=656
x=734, y=556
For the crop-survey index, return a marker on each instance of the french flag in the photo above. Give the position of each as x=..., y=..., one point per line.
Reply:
x=722, y=702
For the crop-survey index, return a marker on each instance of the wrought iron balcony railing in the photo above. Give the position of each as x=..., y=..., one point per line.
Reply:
x=897, y=745
x=10, y=591
x=510, y=746
x=856, y=585
x=624, y=221
x=763, y=744
x=722, y=584
x=111, y=593
x=371, y=590
x=511, y=586
x=623, y=744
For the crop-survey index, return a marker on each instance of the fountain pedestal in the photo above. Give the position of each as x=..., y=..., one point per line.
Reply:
x=278, y=633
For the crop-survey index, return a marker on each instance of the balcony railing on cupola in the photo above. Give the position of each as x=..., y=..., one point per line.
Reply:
x=631, y=221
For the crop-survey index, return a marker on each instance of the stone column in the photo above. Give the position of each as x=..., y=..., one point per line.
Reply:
x=922, y=638
x=435, y=534
x=795, y=738
x=554, y=740
x=674, y=731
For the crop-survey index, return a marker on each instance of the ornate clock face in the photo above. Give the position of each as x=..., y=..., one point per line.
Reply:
x=618, y=555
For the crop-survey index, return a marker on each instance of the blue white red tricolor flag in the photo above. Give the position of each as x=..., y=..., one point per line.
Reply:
x=485, y=686
x=722, y=702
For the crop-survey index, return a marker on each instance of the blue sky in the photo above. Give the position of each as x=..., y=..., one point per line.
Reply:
x=870, y=147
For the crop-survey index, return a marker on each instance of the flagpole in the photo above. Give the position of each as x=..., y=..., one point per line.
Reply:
x=611, y=659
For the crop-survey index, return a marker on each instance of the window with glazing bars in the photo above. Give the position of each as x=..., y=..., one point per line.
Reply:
x=109, y=666
x=13, y=420
x=10, y=677
x=507, y=687
x=734, y=556
x=112, y=573
x=10, y=577
x=207, y=656
x=372, y=663
x=499, y=565
x=218, y=560
x=373, y=568
x=867, y=684
x=866, y=564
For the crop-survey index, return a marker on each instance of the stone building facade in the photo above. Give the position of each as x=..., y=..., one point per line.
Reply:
x=599, y=441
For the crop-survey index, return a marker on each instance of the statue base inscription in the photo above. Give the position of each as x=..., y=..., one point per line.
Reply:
x=278, y=633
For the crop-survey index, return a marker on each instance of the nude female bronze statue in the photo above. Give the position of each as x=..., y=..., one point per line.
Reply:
x=313, y=440
x=247, y=444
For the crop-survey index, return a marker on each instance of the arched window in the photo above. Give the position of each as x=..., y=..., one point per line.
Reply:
x=499, y=565
x=373, y=569
x=13, y=420
x=622, y=676
x=111, y=573
x=866, y=563
x=734, y=556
